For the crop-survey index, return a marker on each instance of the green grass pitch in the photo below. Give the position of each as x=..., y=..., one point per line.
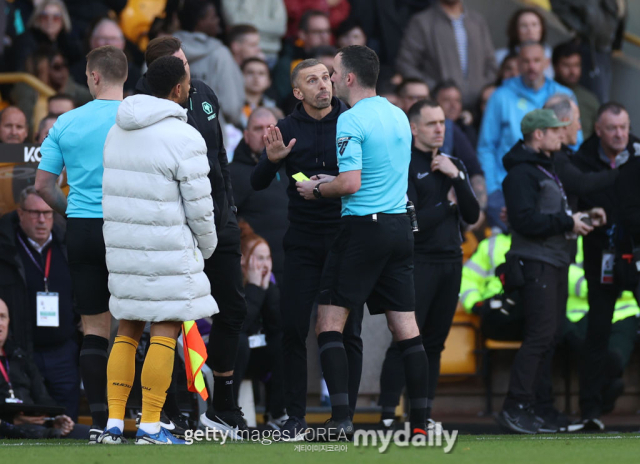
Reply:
x=493, y=449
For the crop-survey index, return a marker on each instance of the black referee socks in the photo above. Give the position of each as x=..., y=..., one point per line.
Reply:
x=335, y=369
x=416, y=372
x=93, y=367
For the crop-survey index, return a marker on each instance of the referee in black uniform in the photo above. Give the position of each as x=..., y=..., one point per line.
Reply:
x=440, y=190
x=371, y=260
x=223, y=268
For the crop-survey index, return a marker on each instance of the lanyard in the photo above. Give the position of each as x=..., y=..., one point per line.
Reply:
x=5, y=373
x=557, y=181
x=47, y=266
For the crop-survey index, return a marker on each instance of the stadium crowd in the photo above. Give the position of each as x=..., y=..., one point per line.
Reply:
x=519, y=146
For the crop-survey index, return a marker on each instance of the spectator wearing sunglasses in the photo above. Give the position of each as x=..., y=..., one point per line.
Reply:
x=36, y=285
x=50, y=25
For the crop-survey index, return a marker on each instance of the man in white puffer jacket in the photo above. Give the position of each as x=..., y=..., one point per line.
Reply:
x=158, y=230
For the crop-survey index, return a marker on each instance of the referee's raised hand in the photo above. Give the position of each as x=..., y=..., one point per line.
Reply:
x=276, y=149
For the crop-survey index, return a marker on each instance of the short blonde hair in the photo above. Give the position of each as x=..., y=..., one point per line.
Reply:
x=66, y=19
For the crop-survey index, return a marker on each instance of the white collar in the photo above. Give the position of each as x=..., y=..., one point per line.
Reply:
x=39, y=247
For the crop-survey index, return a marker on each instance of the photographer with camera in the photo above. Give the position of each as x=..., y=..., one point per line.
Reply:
x=537, y=263
x=440, y=190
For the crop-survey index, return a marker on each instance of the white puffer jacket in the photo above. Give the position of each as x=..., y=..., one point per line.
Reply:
x=158, y=214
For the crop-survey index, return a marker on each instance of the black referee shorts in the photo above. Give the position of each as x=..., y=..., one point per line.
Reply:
x=371, y=260
x=86, y=255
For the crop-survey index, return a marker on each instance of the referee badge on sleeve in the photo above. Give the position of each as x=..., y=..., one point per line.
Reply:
x=342, y=144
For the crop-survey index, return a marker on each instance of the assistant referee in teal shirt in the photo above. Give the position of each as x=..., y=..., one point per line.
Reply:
x=371, y=260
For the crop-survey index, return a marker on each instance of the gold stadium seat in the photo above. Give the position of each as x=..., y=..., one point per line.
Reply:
x=460, y=356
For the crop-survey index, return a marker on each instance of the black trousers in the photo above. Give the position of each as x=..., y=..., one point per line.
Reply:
x=510, y=327
x=437, y=286
x=225, y=275
x=304, y=258
x=544, y=302
x=602, y=301
x=263, y=364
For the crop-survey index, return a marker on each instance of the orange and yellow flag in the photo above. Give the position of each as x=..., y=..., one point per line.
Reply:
x=195, y=354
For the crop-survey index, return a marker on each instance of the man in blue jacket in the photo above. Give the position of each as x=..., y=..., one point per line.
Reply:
x=305, y=142
x=501, y=122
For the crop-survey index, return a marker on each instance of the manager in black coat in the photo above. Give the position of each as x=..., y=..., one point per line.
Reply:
x=305, y=142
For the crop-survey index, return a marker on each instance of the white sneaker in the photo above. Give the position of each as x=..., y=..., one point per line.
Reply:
x=276, y=423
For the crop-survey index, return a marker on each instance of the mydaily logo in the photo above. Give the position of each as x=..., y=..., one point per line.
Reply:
x=432, y=437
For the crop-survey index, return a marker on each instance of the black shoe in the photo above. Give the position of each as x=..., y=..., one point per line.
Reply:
x=231, y=421
x=520, y=419
x=294, y=429
x=94, y=432
x=610, y=394
x=388, y=424
x=553, y=420
x=593, y=424
x=338, y=430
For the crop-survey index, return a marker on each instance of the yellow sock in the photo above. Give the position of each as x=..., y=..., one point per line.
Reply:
x=156, y=377
x=121, y=370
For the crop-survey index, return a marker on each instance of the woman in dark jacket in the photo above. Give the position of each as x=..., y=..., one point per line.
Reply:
x=260, y=347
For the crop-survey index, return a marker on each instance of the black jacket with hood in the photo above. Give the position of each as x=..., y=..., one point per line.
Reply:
x=314, y=153
x=591, y=159
x=536, y=207
x=202, y=113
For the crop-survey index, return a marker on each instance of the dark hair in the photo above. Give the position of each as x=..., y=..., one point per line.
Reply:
x=303, y=25
x=347, y=26
x=565, y=50
x=445, y=85
x=164, y=74
x=323, y=50
x=510, y=56
x=363, y=62
x=238, y=32
x=611, y=107
x=416, y=108
x=110, y=62
x=512, y=27
x=45, y=119
x=191, y=13
x=161, y=46
x=253, y=59
x=408, y=81
x=304, y=64
x=60, y=96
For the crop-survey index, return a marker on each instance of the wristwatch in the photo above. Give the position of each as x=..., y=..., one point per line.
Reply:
x=460, y=175
x=316, y=190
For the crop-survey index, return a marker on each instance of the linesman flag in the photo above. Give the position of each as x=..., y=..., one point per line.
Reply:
x=195, y=354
